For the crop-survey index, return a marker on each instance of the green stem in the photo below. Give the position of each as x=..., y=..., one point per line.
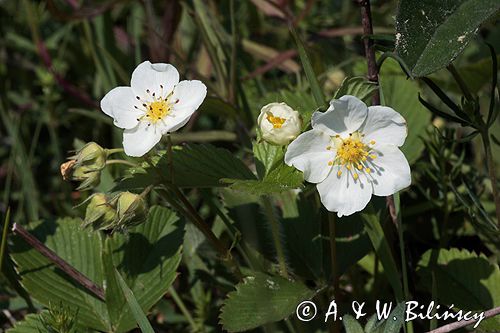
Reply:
x=178, y=301
x=124, y=162
x=3, y=242
x=492, y=172
x=114, y=150
x=332, y=228
x=406, y=290
x=268, y=208
x=207, y=231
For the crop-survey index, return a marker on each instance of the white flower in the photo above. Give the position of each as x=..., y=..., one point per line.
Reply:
x=279, y=123
x=156, y=103
x=351, y=153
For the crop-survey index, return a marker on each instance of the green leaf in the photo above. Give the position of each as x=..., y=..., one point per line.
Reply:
x=351, y=325
x=280, y=179
x=139, y=316
x=308, y=69
x=147, y=258
x=430, y=34
x=266, y=157
x=464, y=279
x=261, y=299
x=401, y=94
x=356, y=86
x=48, y=284
x=32, y=323
x=193, y=166
x=381, y=247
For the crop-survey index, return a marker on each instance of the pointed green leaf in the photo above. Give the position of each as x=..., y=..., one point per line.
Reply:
x=147, y=258
x=134, y=306
x=430, y=34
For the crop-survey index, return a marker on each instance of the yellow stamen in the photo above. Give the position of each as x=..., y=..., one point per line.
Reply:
x=276, y=121
x=352, y=153
x=330, y=163
x=339, y=173
x=372, y=142
x=157, y=110
x=373, y=156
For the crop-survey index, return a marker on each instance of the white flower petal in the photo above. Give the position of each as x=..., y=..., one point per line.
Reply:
x=139, y=140
x=153, y=77
x=384, y=125
x=391, y=171
x=188, y=96
x=119, y=104
x=308, y=153
x=344, y=116
x=343, y=194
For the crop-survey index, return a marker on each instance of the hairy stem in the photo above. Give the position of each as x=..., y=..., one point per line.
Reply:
x=58, y=261
x=268, y=208
x=124, y=162
x=366, y=21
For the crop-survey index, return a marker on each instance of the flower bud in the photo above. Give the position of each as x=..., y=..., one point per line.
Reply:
x=99, y=213
x=279, y=123
x=334, y=80
x=85, y=166
x=131, y=210
x=91, y=155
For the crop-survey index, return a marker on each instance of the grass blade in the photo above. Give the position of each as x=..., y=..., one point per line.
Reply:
x=137, y=312
x=306, y=63
x=381, y=246
x=3, y=242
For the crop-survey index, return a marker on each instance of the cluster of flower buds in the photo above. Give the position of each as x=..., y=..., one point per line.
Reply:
x=118, y=213
x=86, y=166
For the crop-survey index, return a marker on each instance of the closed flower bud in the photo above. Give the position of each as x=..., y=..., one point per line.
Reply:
x=85, y=166
x=279, y=123
x=91, y=155
x=131, y=210
x=100, y=214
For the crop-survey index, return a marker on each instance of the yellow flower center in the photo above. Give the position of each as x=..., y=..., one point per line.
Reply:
x=276, y=121
x=157, y=110
x=352, y=153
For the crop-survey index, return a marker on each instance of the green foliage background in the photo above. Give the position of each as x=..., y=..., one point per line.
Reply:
x=58, y=58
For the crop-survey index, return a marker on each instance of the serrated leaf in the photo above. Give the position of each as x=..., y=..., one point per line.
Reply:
x=266, y=157
x=430, y=34
x=464, y=279
x=147, y=258
x=47, y=284
x=194, y=165
x=280, y=179
x=401, y=94
x=356, y=86
x=261, y=299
